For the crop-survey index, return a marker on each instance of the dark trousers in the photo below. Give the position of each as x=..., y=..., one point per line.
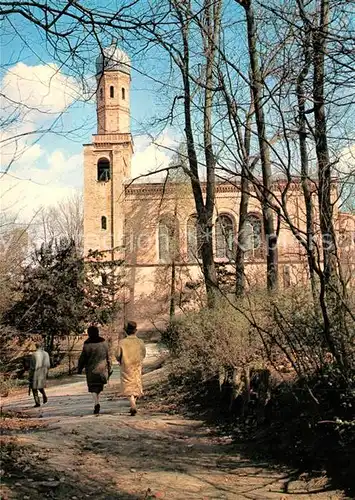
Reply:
x=36, y=396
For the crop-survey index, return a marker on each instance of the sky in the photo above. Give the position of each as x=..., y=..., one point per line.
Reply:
x=47, y=166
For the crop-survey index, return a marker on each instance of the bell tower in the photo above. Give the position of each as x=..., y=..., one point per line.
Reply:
x=113, y=89
x=107, y=160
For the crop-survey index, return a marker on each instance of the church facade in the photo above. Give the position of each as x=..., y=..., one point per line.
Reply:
x=152, y=227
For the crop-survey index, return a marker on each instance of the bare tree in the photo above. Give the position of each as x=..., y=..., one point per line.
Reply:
x=320, y=35
x=62, y=221
x=257, y=91
x=314, y=79
x=204, y=24
x=14, y=250
x=304, y=157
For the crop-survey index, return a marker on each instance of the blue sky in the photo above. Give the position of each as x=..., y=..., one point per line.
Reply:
x=46, y=167
x=49, y=165
x=29, y=48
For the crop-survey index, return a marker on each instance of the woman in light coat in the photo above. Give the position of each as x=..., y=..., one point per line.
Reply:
x=130, y=355
x=39, y=366
x=96, y=361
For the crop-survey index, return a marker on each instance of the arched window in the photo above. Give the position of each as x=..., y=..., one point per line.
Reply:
x=112, y=91
x=104, y=279
x=194, y=239
x=123, y=91
x=224, y=237
x=103, y=222
x=168, y=239
x=101, y=93
x=103, y=170
x=253, y=235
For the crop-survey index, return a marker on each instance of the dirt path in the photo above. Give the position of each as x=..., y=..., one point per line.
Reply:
x=114, y=456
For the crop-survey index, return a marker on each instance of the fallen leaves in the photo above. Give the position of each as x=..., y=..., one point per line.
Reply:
x=15, y=421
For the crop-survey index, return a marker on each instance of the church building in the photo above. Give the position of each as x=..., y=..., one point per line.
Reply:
x=152, y=225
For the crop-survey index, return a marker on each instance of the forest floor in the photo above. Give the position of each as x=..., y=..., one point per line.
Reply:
x=63, y=451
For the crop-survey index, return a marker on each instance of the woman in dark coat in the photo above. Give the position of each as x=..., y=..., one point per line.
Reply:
x=96, y=361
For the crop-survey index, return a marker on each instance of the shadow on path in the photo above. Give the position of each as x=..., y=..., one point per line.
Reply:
x=114, y=456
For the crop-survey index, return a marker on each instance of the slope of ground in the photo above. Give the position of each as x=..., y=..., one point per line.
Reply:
x=63, y=451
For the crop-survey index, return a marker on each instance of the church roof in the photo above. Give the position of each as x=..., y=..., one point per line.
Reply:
x=112, y=58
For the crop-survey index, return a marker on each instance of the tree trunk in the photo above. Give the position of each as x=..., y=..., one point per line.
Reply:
x=240, y=253
x=211, y=29
x=172, y=292
x=330, y=299
x=173, y=267
x=322, y=152
x=204, y=221
x=204, y=211
x=302, y=135
x=257, y=92
x=243, y=208
x=243, y=145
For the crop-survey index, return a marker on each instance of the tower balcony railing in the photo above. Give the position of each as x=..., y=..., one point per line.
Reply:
x=111, y=138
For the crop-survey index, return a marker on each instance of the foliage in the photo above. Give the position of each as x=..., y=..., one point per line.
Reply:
x=204, y=342
x=311, y=425
x=7, y=385
x=102, y=283
x=283, y=329
x=13, y=253
x=60, y=293
x=308, y=419
x=291, y=327
x=14, y=349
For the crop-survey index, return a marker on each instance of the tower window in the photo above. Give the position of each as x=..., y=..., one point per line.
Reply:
x=123, y=90
x=101, y=93
x=112, y=91
x=103, y=170
x=104, y=279
x=103, y=222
